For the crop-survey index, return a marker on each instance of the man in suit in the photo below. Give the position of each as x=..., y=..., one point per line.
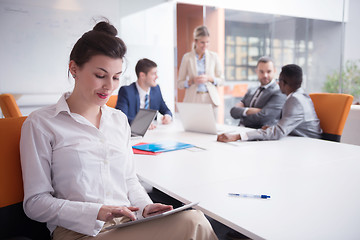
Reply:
x=298, y=114
x=261, y=106
x=144, y=93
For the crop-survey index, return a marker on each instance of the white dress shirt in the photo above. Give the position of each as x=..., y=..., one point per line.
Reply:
x=142, y=94
x=71, y=168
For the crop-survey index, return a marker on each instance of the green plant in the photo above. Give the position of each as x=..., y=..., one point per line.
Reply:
x=350, y=80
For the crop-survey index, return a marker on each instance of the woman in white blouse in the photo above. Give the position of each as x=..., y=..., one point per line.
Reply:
x=76, y=157
x=200, y=71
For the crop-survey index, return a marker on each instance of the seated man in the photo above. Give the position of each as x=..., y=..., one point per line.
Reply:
x=261, y=106
x=144, y=93
x=298, y=114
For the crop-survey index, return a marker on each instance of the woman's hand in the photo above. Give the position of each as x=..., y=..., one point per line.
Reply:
x=155, y=209
x=202, y=79
x=107, y=213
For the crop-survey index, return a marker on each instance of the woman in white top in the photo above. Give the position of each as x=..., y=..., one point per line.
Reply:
x=200, y=71
x=76, y=157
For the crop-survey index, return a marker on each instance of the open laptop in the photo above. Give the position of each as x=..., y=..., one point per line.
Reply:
x=198, y=117
x=185, y=207
x=142, y=121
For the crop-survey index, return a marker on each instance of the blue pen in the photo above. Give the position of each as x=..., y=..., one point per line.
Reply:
x=248, y=195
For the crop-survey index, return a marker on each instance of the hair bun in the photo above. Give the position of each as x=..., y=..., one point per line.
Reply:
x=106, y=28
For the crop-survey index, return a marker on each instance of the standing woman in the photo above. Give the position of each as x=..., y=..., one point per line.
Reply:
x=76, y=157
x=200, y=72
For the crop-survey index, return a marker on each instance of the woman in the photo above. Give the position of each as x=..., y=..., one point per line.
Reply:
x=200, y=71
x=76, y=157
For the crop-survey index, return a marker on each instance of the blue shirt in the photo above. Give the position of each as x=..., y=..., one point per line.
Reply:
x=200, y=63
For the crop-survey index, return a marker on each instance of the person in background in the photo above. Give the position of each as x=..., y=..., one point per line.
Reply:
x=144, y=93
x=76, y=157
x=200, y=72
x=298, y=114
x=262, y=105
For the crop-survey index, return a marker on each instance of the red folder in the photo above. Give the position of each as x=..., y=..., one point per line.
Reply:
x=137, y=151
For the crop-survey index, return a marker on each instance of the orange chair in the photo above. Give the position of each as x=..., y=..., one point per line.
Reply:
x=13, y=221
x=9, y=106
x=112, y=101
x=332, y=109
x=239, y=90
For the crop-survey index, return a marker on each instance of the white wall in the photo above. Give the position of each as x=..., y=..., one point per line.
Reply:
x=36, y=40
x=149, y=33
x=37, y=37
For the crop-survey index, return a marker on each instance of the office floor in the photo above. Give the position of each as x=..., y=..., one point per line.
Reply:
x=222, y=231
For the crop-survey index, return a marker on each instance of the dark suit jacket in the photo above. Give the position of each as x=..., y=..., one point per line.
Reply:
x=129, y=101
x=271, y=103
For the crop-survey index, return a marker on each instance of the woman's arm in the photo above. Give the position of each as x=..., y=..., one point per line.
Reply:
x=39, y=202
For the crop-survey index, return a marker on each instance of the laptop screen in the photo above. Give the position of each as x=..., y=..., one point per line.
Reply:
x=142, y=121
x=197, y=117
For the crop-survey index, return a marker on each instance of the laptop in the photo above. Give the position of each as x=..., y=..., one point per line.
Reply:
x=185, y=207
x=198, y=117
x=141, y=122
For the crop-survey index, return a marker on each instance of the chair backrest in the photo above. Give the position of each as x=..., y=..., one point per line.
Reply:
x=9, y=106
x=332, y=109
x=11, y=184
x=13, y=221
x=112, y=101
x=239, y=90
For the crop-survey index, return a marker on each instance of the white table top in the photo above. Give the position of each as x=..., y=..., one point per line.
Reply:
x=313, y=184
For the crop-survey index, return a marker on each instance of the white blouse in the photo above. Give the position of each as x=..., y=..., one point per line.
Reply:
x=71, y=168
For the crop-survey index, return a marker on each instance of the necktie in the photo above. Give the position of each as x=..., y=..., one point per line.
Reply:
x=146, y=101
x=256, y=96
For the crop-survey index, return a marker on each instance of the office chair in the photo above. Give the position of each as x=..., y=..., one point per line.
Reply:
x=13, y=221
x=332, y=109
x=112, y=101
x=9, y=106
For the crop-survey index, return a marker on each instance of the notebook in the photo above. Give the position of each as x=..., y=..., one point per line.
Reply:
x=163, y=146
x=142, y=121
x=187, y=206
x=198, y=117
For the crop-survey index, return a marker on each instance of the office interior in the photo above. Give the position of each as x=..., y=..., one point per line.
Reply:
x=40, y=34
x=320, y=36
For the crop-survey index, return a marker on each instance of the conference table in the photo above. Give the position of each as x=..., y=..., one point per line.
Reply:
x=313, y=184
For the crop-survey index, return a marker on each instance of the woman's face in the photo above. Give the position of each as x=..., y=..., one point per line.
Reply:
x=97, y=79
x=201, y=44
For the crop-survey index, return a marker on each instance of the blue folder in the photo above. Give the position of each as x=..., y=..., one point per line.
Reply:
x=163, y=146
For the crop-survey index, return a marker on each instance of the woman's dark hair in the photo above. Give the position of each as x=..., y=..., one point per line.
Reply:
x=101, y=40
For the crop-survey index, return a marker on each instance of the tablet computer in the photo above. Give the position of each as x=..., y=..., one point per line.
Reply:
x=187, y=206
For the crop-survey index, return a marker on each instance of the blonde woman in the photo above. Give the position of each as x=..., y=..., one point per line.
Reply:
x=200, y=71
